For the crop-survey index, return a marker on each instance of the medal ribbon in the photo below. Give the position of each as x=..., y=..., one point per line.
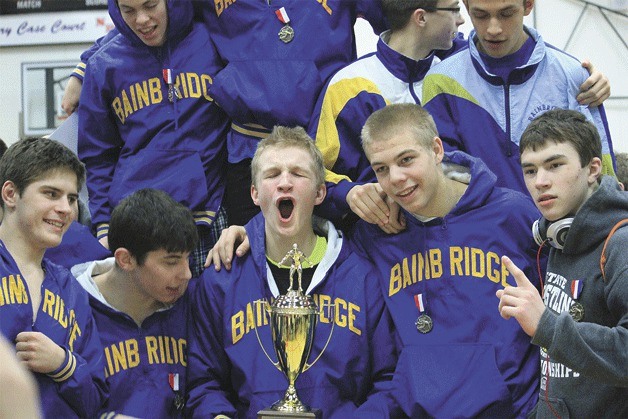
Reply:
x=167, y=75
x=282, y=15
x=173, y=380
x=418, y=300
x=576, y=288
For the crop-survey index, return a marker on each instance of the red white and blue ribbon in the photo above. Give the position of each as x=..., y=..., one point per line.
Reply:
x=418, y=300
x=167, y=73
x=173, y=380
x=282, y=15
x=576, y=288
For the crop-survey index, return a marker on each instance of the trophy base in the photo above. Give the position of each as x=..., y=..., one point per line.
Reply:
x=279, y=414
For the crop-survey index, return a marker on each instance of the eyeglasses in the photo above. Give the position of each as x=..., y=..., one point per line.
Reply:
x=455, y=10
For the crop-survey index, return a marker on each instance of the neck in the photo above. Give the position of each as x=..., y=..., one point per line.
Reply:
x=25, y=254
x=278, y=246
x=408, y=43
x=121, y=291
x=449, y=193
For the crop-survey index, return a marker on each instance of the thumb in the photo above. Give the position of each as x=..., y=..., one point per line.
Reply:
x=520, y=278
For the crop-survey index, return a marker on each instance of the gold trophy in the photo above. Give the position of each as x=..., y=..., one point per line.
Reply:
x=293, y=319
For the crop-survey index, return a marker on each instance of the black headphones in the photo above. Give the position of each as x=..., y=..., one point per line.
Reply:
x=554, y=232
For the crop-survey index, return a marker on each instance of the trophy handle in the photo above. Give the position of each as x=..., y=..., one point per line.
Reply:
x=276, y=364
x=331, y=308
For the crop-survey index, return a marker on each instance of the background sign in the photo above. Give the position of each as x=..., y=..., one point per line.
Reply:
x=54, y=28
x=8, y=7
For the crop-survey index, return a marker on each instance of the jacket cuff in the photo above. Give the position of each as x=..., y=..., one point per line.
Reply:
x=79, y=71
x=544, y=335
x=67, y=368
x=102, y=230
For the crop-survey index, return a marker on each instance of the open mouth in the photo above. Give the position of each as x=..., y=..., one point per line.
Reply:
x=407, y=192
x=286, y=206
x=57, y=224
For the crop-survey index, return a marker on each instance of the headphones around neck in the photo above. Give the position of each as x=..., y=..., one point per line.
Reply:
x=554, y=232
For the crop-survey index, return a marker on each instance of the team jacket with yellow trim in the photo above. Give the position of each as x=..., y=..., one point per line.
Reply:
x=131, y=136
x=139, y=360
x=473, y=363
x=228, y=371
x=267, y=82
x=352, y=95
x=480, y=114
x=77, y=388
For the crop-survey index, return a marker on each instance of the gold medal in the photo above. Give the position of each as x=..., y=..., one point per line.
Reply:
x=286, y=34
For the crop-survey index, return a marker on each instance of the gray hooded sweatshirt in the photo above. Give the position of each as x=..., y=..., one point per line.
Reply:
x=584, y=364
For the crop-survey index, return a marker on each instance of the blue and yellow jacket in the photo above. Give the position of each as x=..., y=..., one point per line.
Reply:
x=473, y=363
x=228, y=371
x=483, y=115
x=77, y=388
x=267, y=82
x=352, y=95
x=131, y=136
x=141, y=362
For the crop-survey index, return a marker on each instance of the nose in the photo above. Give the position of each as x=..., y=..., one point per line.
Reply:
x=186, y=273
x=142, y=17
x=396, y=175
x=285, y=182
x=541, y=180
x=459, y=19
x=494, y=27
x=64, y=206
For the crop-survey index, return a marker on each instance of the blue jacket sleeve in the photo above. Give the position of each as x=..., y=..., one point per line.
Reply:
x=79, y=71
x=99, y=144
x=341, y=111
x=436, y=102
x=209, y=368
x=80, y=379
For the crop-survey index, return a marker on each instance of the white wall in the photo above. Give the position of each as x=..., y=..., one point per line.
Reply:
x=593, y=39
x=11, y=59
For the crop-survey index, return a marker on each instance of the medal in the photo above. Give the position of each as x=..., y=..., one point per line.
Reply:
x=286, y=33
x=576, y=311
x=179, y=401
x=424, y=323
x=173, y=91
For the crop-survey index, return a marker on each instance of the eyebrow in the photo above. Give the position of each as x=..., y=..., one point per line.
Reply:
x=54, y=188
x=401, y=153
x=547, y=160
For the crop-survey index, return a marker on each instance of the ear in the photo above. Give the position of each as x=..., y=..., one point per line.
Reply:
x=527, y=7
x=124, y=259
x=321, y=192
x=595, y=170
x=254, y=195
x=418, y=17
x=438, y=149
x=9, y=194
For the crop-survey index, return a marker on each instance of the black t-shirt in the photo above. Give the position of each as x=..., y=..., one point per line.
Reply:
x=282, y=278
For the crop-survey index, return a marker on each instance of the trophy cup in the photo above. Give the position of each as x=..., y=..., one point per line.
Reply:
x=293, y=319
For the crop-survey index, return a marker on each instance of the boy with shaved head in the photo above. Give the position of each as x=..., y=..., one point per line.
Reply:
x=229, y=374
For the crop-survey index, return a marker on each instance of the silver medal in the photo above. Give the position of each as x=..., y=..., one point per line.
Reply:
x=286, y=34
x=576, y=311
x=424, y=323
